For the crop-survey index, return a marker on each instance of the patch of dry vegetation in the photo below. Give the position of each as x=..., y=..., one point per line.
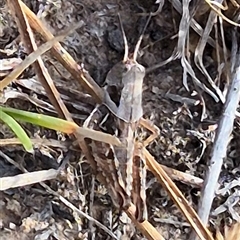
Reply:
x=191, y=93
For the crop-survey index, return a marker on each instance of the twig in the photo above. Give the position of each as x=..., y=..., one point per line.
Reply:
x=222, y=137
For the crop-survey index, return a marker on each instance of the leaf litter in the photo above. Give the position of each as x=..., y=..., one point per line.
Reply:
x=182, y=144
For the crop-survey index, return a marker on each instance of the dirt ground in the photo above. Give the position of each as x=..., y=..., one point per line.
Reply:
x=31, y=212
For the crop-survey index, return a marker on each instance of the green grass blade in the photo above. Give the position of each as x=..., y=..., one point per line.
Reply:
x=18, y=130
x=41, y=120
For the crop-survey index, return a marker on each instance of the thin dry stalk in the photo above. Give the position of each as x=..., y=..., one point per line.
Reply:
x=183, y=177
x=216, y=6
x=41, y=71
x=64, y=57
x=230, y=233
x=177, y=197
x=38, y=143
x=198, y=57
x=25, y=179
x=195, y=26
x=31, y=59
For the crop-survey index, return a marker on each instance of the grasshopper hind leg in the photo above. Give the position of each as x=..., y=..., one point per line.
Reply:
x=139, y=185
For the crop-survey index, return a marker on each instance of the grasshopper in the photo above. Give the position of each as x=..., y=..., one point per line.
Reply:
x=124, y=166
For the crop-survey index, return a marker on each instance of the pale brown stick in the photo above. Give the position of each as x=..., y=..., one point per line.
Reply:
x=222, y=139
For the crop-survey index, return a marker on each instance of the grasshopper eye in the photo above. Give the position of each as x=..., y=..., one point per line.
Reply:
x=128, y=65
x=125, y=69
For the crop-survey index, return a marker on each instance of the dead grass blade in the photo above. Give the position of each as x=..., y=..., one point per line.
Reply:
x=79, y=212
x=230, y=233
x=64, y=58
x=43, y=74
x=82, y=132
x=177, y=197
x=38, y=142
x=183, y=177
x=193, y=23
x=215, y=6
x=182, y=44
x=198, y=57
x=32, y=58
x=25, y=179
x=41, y=71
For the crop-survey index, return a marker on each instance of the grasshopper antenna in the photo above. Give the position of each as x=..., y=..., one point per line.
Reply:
x=140, y=39
x=124, y=40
